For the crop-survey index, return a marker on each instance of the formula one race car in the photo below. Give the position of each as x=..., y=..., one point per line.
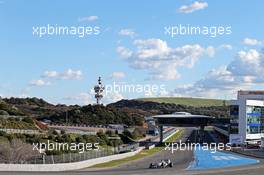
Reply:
x=161, y=164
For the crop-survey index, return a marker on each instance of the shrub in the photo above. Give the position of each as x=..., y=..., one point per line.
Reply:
x=2, y=133
x=28, y=120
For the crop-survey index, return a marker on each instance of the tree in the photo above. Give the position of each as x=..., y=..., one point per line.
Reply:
x=16, y=151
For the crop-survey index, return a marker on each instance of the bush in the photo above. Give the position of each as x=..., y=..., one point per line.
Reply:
x=63, y=132
x=103, y=139
x=90, y=139
x=11, y=137
x=51, y=137
x=28, y=120
x=80, y=139
x=33, y=139
x=2, y=133
x=115, y=143
x=137, y=134
x=128, y=134
x=2, y=112
x=54, y=132
x=109, y=133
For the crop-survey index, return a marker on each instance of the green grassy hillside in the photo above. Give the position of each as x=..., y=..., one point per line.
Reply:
x=13, y=123
x=188, y=101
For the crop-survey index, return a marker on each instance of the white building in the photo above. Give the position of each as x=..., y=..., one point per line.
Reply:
x=247, y=116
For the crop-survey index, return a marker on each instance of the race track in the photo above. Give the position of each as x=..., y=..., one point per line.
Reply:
x=181, y=160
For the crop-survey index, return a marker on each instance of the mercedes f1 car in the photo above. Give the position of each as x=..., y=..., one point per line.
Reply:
x=162, y=164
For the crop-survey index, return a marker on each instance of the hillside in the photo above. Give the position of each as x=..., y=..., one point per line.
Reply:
x=34, y=107
x=129, y=112
x=12, y=123
x=9, y=109
x=99, y=115
x=188, y=101
x=90, y=114
x=168, y=108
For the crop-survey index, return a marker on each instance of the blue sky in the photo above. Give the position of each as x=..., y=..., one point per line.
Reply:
x=131, y=48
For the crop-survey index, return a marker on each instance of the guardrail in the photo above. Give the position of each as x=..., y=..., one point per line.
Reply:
x=20, y=131
x=83, y=128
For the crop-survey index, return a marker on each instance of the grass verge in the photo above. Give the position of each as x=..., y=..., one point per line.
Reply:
x=176, y=136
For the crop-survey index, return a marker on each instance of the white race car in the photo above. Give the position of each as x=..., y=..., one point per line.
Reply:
x=162, y=164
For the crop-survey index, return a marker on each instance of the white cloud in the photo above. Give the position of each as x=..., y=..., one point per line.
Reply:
x=22, y=95
x=218, y=82
x=127, y=32
x=251, y=42
x=161, y=61
x=247, y=63
x=83, y=98
x=39, y=83
x=151, y=48
x=251, y=56
x=226, y=46
x=69, y=74
x=123, y=52
x=210, y=51
x=193, y=7
x=242, y=73
x=118, y=75
x=220, y=78
x=50, y=74
x=88, y=18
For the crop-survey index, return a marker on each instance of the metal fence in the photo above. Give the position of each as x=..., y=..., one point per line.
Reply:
x=77, y=157
x=65, y=158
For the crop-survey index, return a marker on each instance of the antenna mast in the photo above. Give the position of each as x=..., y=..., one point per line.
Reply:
x=99, y=89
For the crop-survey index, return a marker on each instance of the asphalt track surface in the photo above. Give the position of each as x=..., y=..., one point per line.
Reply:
x=181, y=160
